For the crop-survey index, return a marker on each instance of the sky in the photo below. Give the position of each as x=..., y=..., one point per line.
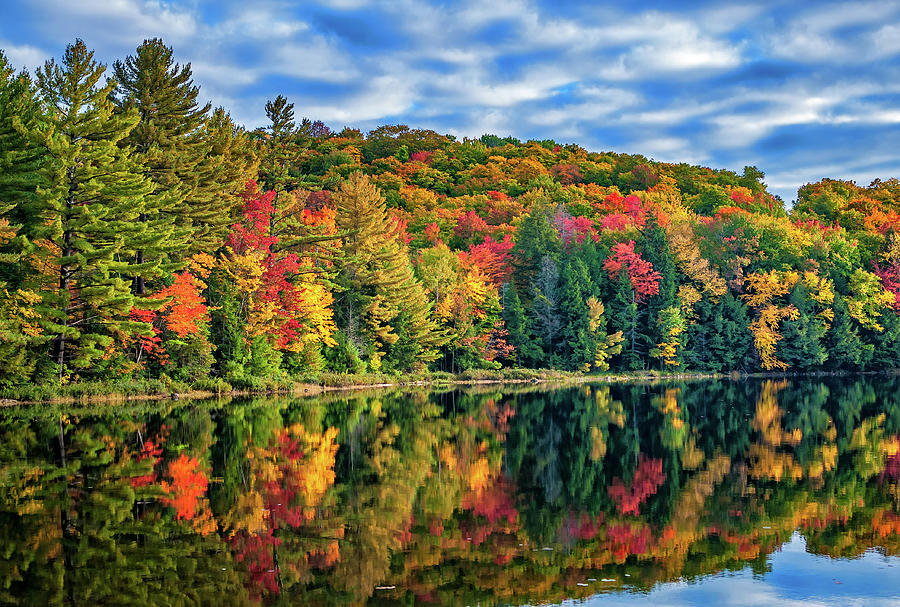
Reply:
x=795, y=578
x=800, y=90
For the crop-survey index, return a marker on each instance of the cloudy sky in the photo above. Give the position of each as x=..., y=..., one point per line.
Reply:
x=801, y=92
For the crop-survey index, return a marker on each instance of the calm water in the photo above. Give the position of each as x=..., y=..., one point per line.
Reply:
x=748, y=493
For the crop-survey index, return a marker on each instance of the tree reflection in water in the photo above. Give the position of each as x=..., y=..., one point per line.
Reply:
x=501, y=495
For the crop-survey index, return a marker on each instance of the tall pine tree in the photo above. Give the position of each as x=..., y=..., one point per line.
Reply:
x=21, y=160
x=86, y=216
x=167, y=141
x=384, y=307
x=221, y=176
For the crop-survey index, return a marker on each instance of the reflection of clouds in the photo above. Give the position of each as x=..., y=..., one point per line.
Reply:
x=796, y=579
x=726, y=85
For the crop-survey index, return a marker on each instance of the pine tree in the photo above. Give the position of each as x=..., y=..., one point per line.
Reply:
x=220, y=179
x=384, y=299
x=518, y=324
x=536, y=239
x=625, y=317
x=575, y=288
x=886, y=354
x=87, y=228
x=732, y=342
x=670, y=325
x=21, y=160
x=590, y=346
x=545, y=309
x=167, y=141
x=279, y=150
x=846, y=347
x=803, y=347
x=718, y=339
x=655, y=249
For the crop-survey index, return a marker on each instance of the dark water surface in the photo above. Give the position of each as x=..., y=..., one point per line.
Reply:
x=702, y=493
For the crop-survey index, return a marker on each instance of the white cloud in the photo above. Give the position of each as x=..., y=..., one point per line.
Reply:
x=660, y=45
x=815, y=36
x=120, y=21
x=382, y=97
x=260, y=23
x=668, y=149
x=656, y=82
x=23, y=56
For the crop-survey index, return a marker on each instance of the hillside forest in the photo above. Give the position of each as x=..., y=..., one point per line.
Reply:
x=145, y=234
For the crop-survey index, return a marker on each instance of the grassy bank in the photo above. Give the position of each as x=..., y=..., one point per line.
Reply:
x=130, y=389
x=159, y=389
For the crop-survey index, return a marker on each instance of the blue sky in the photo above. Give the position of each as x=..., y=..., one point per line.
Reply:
x=801, y=90
x=795, y=578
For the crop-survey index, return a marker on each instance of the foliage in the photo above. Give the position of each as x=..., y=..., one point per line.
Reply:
x=143, y=233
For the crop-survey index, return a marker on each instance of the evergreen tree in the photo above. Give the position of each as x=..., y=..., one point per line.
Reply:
x=383, y=301
x=655, y=249
x=732, y=341
x=670, y=325
x=589, y=344
x=545, y=310
x=846, y=347
x=536, y=239
x=87, y=229
x=625, y=317
x=220, y=177
x=803, y=344
x=167, y=141
x=575, y=288
x=279, y=150
x=886, y=343
x=518, y=324
x=718, y=340
x=21, y=160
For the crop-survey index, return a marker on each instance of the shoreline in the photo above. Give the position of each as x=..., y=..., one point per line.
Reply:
x=105, y=393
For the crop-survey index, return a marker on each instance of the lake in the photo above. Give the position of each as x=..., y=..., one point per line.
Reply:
x=761, y=492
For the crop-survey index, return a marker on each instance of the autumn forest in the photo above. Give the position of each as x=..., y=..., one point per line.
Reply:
x=145, y=235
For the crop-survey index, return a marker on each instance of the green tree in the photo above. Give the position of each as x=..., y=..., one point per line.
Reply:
x=228, y=164
x=625, y=317
x=168, y=141
x=518, y=324
x=86, y=216
x=382, y=301
x=803, y=344
x=590, y=346
x=21, y=159
x=846, y=347
x=536, y=239
x=547, y=321
x=719, y=339
x=575, y=288
x=655, y=249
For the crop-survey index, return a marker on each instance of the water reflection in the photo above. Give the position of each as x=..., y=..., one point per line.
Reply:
x=493, y=497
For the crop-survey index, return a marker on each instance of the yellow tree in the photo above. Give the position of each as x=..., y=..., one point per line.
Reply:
x=867, y=300
x=762, y=292
x=384, y=301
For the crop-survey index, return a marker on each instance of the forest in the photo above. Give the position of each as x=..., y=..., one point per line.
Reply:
x=144, y=234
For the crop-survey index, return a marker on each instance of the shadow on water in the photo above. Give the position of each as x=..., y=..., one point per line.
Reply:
x=500, y=495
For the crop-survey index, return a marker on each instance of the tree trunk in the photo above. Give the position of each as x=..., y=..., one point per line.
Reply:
x=59, y=344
